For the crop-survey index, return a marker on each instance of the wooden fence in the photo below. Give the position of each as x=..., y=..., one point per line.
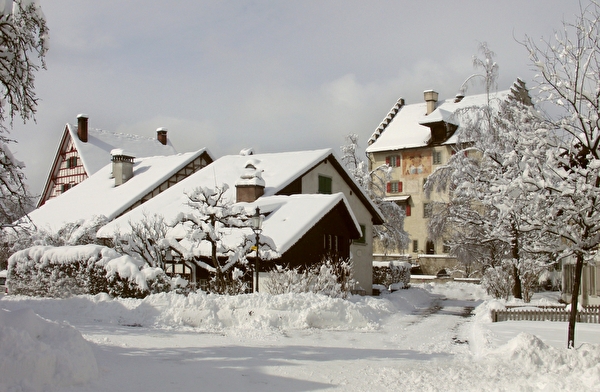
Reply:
x=590, y=314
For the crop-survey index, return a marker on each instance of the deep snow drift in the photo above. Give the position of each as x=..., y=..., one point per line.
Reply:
x=411, y=340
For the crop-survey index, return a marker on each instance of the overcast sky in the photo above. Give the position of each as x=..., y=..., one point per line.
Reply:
x=272, y=75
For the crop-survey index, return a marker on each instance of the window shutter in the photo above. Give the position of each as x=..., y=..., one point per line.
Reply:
x=397, y=160
x=407, y=209
x=389, y=187
x=399, y=186
x=387, y=160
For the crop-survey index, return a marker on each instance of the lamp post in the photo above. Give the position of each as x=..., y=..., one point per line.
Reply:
x=256, y=222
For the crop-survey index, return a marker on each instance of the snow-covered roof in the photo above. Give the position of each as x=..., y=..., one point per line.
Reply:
x=98, y=196
x=286, y=220
x=278, y=170
x=408, y=128
x=95, y=153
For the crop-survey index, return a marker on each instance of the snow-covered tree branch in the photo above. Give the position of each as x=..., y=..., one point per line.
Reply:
x=564, y=182
x=391, y=234
x=23, y=46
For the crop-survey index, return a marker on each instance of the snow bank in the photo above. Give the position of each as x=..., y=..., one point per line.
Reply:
x=38, y=354
x=224, y=314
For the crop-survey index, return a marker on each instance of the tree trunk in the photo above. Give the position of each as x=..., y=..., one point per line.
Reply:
x=517, y=290
x=574, y=301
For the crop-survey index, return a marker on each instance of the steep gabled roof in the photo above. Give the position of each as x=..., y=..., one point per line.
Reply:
x=278, y=171
x=95, y=153
x=409, y=126
x=97, y=195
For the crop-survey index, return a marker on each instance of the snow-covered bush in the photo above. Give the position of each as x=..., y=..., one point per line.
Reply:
x=81, y=232
x=230, y=283
x=145, y=240
x=531, y=271
x=84, y=269
x=396, y=273
x=498, y=281
x=332, y=277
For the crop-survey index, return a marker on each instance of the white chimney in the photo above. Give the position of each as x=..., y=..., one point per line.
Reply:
x=431, y=97
x=122, y=166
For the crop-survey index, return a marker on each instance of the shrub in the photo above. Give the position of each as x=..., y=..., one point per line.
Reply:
x=84, y=269
x=332, y=277
x=498, y=281
x=396, y=274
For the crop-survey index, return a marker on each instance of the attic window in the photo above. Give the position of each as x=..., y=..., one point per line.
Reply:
x=71, y=162
x=325, y=185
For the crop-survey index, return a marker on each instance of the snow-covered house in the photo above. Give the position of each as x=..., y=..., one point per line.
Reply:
x=123, y=183
x=414, y=140
x=311, y=207
x=82, y=151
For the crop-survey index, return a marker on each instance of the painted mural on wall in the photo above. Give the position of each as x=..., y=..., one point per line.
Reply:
x=416, y=163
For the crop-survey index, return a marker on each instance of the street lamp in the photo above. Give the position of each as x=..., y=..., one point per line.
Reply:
x=256, y=223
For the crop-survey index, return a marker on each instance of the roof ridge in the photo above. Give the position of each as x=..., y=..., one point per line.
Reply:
x=388, y=119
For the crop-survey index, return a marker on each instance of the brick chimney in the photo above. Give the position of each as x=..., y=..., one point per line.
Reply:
x=82, y=127
x=431, y=97
x=122, y=166
x=161, y=135
x=250, y=186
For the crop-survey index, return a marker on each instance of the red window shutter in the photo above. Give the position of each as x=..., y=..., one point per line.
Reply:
x=389, y=187
x=397, y=160
x=387, y=160
x=407, y=209
x=399, y=186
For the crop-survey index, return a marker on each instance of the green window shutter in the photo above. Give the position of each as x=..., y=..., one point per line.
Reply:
x=325, y=185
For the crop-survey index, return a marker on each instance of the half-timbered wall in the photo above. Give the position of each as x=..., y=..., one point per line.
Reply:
x=70, y=171
x=192, y=167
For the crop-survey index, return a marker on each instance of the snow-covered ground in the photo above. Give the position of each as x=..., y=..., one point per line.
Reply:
x=417, y=339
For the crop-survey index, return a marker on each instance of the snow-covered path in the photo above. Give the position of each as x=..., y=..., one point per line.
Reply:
x=297, y=360
x=412, y=340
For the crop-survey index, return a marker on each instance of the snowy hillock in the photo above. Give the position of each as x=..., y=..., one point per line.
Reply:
x=222, y=313
x=38, y=355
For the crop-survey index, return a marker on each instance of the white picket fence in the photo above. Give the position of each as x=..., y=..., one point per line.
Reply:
x=590, y=314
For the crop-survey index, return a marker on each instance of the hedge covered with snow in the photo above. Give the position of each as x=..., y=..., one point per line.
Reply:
x=50, y=271
x=393, y=275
